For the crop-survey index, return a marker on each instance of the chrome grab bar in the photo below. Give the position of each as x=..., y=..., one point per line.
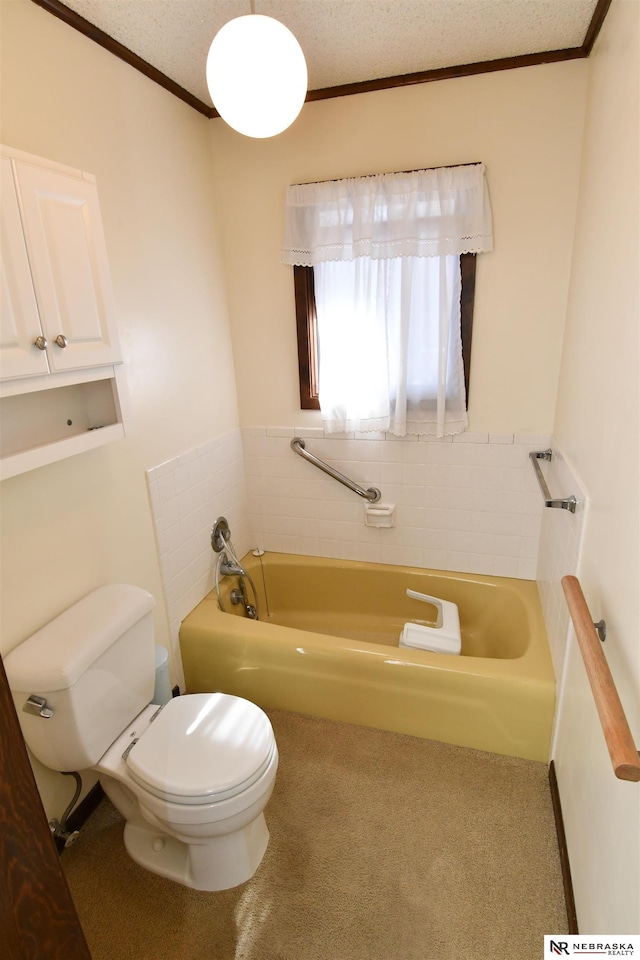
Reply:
x=372, y=494
x=564, y=503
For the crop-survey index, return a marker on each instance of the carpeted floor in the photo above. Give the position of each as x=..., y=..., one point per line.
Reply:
x=383, y=847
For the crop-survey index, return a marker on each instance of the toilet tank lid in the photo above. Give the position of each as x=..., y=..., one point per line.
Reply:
x=58, y=654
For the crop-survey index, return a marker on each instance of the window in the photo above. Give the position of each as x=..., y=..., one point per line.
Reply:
x=384, y=275
x=307, y=335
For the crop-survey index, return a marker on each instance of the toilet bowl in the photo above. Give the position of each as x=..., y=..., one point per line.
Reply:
x=190, y=778
x=182, y=783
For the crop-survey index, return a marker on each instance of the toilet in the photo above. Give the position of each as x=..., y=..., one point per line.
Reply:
x=191, y=778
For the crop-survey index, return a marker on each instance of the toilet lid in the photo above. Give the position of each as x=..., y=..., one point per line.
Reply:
x=202, y=748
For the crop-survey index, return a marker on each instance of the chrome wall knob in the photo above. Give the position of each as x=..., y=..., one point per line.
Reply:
x=61, y=341
x=41, y=343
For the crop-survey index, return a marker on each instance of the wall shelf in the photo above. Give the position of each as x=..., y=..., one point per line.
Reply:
x=40, y=456
x=43, y=425
x=60, y=374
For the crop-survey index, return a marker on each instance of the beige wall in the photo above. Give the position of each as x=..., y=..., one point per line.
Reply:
x=525, y=125
x=597, y=430
x=68, y=527
x=74, y=525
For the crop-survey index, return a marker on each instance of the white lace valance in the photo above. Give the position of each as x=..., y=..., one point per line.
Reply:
x=426, y=213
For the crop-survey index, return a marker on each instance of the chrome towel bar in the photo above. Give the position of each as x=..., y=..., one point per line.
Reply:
x=372, y=494
x=564, y=503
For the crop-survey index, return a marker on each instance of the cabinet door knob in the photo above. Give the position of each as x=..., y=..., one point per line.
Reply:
x=61, y=341
x=41, y=343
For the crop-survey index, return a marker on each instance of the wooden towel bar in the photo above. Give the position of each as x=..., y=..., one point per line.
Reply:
x=622, y=749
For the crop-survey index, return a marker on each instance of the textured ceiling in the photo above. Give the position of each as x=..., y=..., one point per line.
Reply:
x=345, y=41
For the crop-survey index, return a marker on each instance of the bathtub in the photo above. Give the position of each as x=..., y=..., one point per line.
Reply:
x=327, y=644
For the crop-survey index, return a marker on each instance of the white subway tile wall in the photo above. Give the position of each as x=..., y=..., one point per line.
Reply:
x=187, y=495
x=469, y=504
x=560, y=541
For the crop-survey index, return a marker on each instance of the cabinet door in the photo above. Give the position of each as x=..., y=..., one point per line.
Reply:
x=19, y=320
x=65, y=241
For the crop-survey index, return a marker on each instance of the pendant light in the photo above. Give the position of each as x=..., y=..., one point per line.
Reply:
x=257, y=75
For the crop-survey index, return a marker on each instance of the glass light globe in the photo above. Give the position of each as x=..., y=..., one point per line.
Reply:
x=257, y=75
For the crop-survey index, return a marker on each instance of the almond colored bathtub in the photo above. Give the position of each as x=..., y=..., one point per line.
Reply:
x=326, y=644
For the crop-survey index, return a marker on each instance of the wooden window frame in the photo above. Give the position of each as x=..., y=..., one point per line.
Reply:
x=303, y=282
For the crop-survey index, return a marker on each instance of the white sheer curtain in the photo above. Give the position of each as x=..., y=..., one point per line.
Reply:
x=389, y=345
x=386, y=257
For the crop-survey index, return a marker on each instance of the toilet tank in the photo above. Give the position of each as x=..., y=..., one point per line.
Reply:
x=95, y=667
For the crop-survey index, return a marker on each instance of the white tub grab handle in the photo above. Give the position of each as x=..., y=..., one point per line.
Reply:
x=448, y=617
x=444, y=637
x=438, y=604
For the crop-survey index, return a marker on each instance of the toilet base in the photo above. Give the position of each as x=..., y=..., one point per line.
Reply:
x=218, y=864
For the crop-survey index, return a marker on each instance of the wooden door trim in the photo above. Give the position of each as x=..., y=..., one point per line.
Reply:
x=38, y=916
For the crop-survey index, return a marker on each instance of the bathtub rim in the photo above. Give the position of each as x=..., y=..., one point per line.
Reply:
x=533, y=665
x=503, y=706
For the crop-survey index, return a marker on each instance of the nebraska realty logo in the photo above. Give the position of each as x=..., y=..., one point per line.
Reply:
x=558, y=945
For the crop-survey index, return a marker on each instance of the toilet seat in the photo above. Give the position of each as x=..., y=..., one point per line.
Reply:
x=202, y=749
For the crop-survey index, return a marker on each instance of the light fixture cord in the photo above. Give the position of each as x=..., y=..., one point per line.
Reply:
x=252, y=5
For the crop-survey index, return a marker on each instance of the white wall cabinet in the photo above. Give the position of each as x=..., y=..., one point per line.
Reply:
x=19, y=320
x=59, y=383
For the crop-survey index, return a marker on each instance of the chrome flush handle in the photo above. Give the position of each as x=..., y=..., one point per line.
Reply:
x=38, y=707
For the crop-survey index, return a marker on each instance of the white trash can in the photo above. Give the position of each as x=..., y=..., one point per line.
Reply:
x=162, y=692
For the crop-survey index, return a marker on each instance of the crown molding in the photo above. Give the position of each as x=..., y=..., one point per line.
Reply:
x=73, y=19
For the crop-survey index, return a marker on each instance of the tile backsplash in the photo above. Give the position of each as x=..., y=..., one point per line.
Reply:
x=469, y=504
x=187, y=495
